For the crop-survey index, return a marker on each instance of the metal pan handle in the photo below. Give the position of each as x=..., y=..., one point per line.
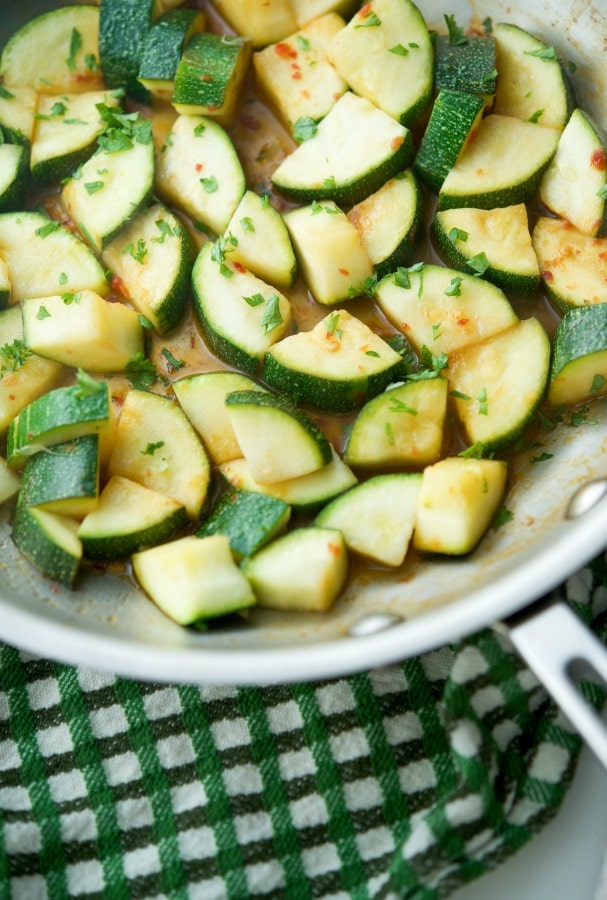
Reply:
x=559, y=648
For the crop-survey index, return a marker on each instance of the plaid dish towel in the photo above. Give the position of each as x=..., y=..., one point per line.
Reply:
x=403, y=782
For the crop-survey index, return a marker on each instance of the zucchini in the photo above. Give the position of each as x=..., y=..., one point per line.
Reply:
x=152, y=258
x=496, y=240
x=573, y=265
x=443, y=309
x=308, y=10
x=17, y=114
x=453, y=123
x=498, y=384
x=202, y=398
x=193, y=579
x=163, y=48
x=330, y=252
x=263, y=21
x=457, y=502
x=9, y=481
x=55, y=53
x=128, y=518
x=377, y=517
x=240, y=315
x=385, y=54
x=64, y=479
x=13, y=177
x=295, y=75
x=302, y=571
x=248, y=519
x=574, y=185
x=49, y=542
x=467, y=64
x=326, y=167
x=5, y=285
x=259, y=240
x=66, y=133
x=492, y=171
x=210, y=77
x=578, y=370
x=199, y=172
x=83, y=330
x=59, y=416
x=156, y=446
x=390, y=222
x=306, y=494
x=404, y=426
x=532, y=83
x=278, y=440
x=336, y=366
x=64, y=263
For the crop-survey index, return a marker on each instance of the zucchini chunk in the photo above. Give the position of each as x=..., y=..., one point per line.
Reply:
x=308, y=10
x=64, y=480
x=326, y=167
x=127, y=518
x=443, y=309
x=9, y=481
x=492, y=171
x=199, y=172
x=278, y=440
x=404, y=426
x=498, y=384
x=336, y=367
x=498, y=239
x=156, y=446
x=457, y=502
x=454, y=121
x=17, y=114
x=49, y=542
x=55, y=53
x=574, y=185
x=466, y=65
x=240, y=315
x=390, y=222
x=573, y=265
x=248, y=519
x=210, y=77
x=302, y=571
x=317, y=86
x=306, y=495
x=330, y=252
x=13, y=177
x=193, y=579
x=259, y=240
x=5, y=285
x=264, y=21
x=63, y=261
x=152, y=258
x=376, y=517
x=202, y=397
x=578, y=371
x=386, y=56
x=532, y=84
x=82, y=330
x=163, y=48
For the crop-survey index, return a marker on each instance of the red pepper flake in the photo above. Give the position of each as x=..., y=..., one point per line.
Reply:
x=117, y=285
x=11, y=397
x=206, y=78
x=334, y=549
x=305, y=94
x=343, y=271
x=547, y=276
x=598, y=159
x=405, y=326
x=239, y=267
x=198, y=167
x=365, y=10
x=397, y=142
x=296, y=76
x=603, y=255
x=285, y=51
x=462, y=321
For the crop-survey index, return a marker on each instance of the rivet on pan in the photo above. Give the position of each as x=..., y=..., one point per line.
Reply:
x=373, y=624
x=585, y=498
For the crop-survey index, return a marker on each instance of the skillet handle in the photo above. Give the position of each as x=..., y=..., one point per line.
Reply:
x=559, y=648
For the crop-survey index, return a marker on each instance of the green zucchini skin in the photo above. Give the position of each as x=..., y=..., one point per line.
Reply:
x=578, y=369
x=248, y=519
x=65, y=480
x=453, y=120
x=468, y=66
x=123, y=27
x=14, y=177
x=164, y=45
x=42, y=544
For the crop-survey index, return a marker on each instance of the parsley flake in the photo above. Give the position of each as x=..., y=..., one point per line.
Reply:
x=304, y=128
x=598, y=383
x=302, y=42
x=455, y=287
x=75, y=48
x=173, y=363
x=369, y=20
x=272, y=317
x=151, y=448
x=43, y=313
x=138, y=251
x=247, y=224
x=479, y=263
x=13, y=356
x=544, y=53
x=47, y=229
x=70, y=297
x=210, y=184
x=87, y=386
x=399, y=50
x=456, y=34
x=92, y=187
x=398, y=406
x=141, y=372
x=255, y=299
x=483, y=406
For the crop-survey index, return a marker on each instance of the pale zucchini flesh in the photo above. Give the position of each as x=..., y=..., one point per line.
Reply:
x=259, y=240
x=49, y=541
x=17, y=114
x=578, y=370
x=573, y=265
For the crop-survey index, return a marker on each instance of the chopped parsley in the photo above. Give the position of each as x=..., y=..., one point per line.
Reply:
x=87, y=386
x=389, y=433
x=145, y=322
x=455, y=287
x=13, y=356
x=331, y=323
x=436, y=331
x=304, y=128
x=6, y=94
x=479, y=264
x=209, y=184
x=368, y=288
x=272, y=316
x=62, y=278
x=475, y=451
x=141, y=372
x=483, y=406
x=75, y=48
x=47, y=229
x=456, y=34
x=502, y=517
x=545, y=53
x=543, y=457
x=70, y=297
x=151, y=448
x=122, y=130
x=399, y=50
x=598, y=383
x=173, y=363
x=535, y=117
x=138, y=251
x=458, y=234
x=398, y=406
x=402, y=277
x=165, y=231
x=43, y=313
x=488, y=25
x=602, y=192
x=255, y=299
x=459, y=395
x=329, y=183
x=373, y=353
x=200, y=129
x=247, y=224
x=369, y=20
x=91, y=62
x=92, y=187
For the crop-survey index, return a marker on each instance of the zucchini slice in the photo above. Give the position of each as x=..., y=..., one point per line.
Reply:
x=498, y=384
x=199, y=172
x=308, y=10
x=5, y=285
x=326, y=167
x=573, y=265
x=376, y=517
x=443, y=309
x=152, y=258
x=9, y=481
x=13, y=177
x=193, y=579
x=303, y=570
x=492, y=171
x=127, y=518
x=454, y=121
x=55, y=53
x=497, y=241
x=574, y=185
x=263, y=21
x=248, y=519
x=240, y=315
x=17, y=114
x=163, y=48
x=390, y=222
x=578, y=370
x=336, y=367
x=64, y=480
x=49, y=542
x=385, y=54
x=260, y=241
x=466, y=65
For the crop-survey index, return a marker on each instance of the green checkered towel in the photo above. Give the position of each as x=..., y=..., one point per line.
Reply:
x=402, y=782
